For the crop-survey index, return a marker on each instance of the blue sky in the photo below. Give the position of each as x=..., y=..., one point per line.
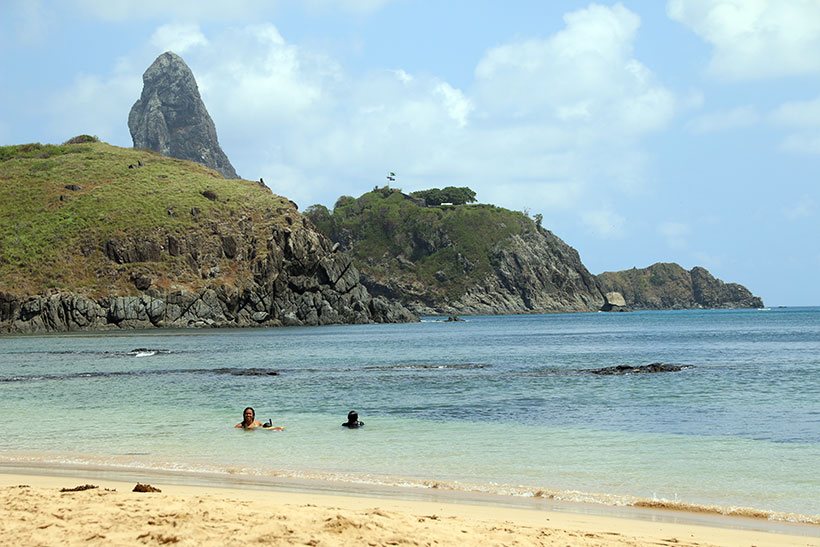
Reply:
x=681, y=131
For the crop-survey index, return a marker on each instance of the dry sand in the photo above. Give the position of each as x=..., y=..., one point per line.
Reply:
x=33, y=511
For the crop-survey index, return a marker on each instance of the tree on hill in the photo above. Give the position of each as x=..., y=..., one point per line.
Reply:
x=450, y=194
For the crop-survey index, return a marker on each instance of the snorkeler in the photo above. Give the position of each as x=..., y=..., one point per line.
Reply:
x=249, y=421
x=352, y=420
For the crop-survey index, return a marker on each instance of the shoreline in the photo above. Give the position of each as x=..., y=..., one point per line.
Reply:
x=408, y=488
x=199, y=483
x=33, y=509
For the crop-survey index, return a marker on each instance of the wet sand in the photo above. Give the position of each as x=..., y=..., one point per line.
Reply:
x=33, y=511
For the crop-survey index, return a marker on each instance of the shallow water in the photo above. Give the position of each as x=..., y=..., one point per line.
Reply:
x=499, y=404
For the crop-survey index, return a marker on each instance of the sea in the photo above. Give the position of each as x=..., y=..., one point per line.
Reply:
x=503, y=405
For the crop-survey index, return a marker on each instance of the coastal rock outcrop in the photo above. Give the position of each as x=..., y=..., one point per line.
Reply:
x=170, y=117
x=457, y=259
x=614, y=301
x=669, y=286
x=246, y=258
x=299, y=282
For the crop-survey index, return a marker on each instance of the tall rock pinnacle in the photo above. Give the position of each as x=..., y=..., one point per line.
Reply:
x=171, y=118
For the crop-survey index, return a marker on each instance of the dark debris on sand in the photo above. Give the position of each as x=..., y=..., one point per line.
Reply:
x=145, y=488
x=79, y=488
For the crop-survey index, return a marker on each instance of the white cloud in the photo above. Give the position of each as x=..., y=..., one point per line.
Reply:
x=457, y=105
x=184, y=10
x=360, y=7
x=755, y=38
x=604, y=223
x=802, y=209
x=798, y=114
x=803, y=119
x=541, y=121
x=675, y=234
x=32, y=21
x=735, y=118
x=215, y=10
x=178, y=38
x=97, y=105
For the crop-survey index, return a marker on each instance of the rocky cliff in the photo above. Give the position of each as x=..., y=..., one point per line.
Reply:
x=98, y=237
x=170, y=117
x=465, y=259
x=669, y=286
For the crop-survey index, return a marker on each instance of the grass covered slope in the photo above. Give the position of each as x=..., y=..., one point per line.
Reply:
x=456, y=258
x=94, y=237
x=60, y=205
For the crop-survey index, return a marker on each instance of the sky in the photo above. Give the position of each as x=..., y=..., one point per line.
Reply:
x=643, y=131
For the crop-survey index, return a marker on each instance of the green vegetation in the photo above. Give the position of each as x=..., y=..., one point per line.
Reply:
x=450, y=194
x=59, y=204
x=394, y=238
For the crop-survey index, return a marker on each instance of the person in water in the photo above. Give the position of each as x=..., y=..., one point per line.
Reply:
x=352, y=420
x=249, y=421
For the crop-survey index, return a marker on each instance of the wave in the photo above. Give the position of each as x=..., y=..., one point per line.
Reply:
x=428, y=366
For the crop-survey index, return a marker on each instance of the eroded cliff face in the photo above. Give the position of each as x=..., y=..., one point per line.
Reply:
x=533, y=272
x=170, y=117
x=669, y=286
x=108, y=238
x=296, y=279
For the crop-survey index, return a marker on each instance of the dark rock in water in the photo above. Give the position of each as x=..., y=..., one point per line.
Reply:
x=453, y=319
x=640, y=369
x=170, y=117
x=247, y=371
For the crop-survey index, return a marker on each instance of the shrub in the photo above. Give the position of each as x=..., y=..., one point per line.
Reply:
x=80, y=139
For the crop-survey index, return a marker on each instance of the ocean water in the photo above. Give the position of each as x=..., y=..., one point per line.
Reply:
x=495, y=404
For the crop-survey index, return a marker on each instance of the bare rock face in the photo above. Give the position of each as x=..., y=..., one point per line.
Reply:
x=664, y=286
x=170, y=117
x=614, y=301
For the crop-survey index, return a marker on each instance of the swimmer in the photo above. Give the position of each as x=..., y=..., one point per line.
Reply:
x=249, y=421
x=353, y=420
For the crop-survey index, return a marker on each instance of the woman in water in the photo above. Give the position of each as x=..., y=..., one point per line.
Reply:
x=249, y=421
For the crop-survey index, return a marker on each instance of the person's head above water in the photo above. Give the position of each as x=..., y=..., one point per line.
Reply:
x=248, y=417
x=353, y=420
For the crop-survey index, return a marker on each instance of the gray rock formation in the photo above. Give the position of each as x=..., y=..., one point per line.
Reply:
x=170, y=117
x=298, y=280
x=534, y=272
x=614, y=301
x=669, y=286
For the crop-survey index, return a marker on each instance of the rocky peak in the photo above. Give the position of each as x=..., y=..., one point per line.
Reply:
x=171, y=118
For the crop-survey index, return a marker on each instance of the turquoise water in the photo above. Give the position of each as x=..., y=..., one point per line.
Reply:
x=496, y=404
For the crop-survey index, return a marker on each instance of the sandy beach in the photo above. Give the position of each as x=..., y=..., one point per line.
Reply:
x=33, y=511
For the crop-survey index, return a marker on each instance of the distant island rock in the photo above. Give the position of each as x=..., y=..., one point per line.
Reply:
x=170, y=117
x=167, y=244
x=665, y=286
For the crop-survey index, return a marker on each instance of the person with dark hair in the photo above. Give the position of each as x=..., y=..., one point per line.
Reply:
x=249, y=421
x=352, y=420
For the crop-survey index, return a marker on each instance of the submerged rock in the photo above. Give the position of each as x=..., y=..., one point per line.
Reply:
x=640, y=369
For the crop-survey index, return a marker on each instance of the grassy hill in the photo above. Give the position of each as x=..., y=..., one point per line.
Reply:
x=446, y=258
x=61, y=204
x=446, y=249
